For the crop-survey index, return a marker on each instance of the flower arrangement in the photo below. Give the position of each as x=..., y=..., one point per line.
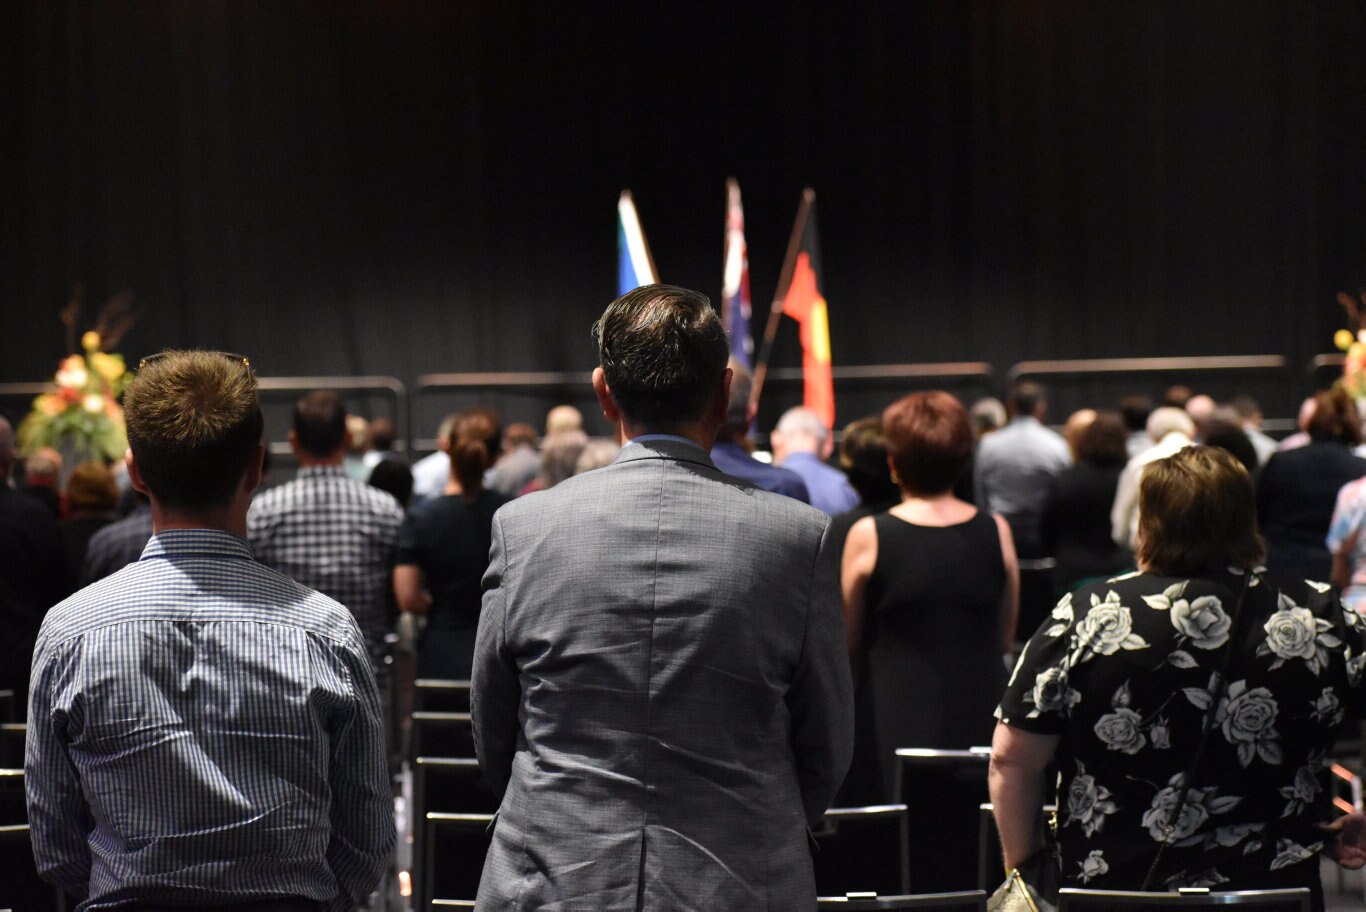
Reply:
x=80, y=413
x=1353, y=343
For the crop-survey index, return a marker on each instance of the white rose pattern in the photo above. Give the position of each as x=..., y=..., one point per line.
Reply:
x=1294, y=633
x=1093, y=866
x=1107, y=628
x=1249, y=718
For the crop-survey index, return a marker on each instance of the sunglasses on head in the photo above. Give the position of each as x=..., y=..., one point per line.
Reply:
x=235, y=358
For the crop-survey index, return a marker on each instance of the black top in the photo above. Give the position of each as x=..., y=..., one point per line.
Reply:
x=1296, y=493
x=449, y=539
x=1075, y=527
x=932, y=635
x=32, y=580
x=1123, y=673
x=76, y=534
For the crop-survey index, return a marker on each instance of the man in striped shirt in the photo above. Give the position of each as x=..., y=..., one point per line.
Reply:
x=204, y=732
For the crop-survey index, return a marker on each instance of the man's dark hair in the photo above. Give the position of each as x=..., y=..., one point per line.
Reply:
x=1135, y=410
x=1025, y=398
x=320, y=423
x=663, y=352
x=383, y=434
x=194, y=421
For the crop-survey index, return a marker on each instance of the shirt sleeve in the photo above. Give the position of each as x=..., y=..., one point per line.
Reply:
x=1039, y=697
x=1346, y=516
x=405, y=551
x=59, y=818
x=362, y=812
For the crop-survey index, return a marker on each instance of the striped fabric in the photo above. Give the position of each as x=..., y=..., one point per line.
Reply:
x=334, y=534
x=205, y=731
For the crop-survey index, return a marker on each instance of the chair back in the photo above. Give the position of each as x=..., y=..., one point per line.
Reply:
x=451, y=784
x=966, y=901
x=441, y=695
x=12, y=737
x=442, y=734
x=862, y=849
x=13, y=805
x=454, y=847
x=20, y=886
x=1074, y=900
x=942, y=791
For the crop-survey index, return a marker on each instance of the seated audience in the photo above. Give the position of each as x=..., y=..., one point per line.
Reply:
x=431, y=471
x=801, y=444
x=1224, y=429
x=91, y=495
x=1250, y=417
x=1347, y=544
x=1135, y=410
x=1301, y=436
x=443, y=551
x=383, y=435
x=1076, y=516
x=1298, y=489
x=204, y=732
x=1118, y=689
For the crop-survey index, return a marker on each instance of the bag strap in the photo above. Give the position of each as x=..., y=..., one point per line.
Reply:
x=1217, y=686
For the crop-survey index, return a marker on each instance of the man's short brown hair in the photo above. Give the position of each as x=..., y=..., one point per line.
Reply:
x=320, y=423
x=194, y=421
x=663, y=353
x=1197, y=513
x=929, y=441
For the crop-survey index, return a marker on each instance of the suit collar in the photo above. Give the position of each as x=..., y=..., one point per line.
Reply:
x=658, y=448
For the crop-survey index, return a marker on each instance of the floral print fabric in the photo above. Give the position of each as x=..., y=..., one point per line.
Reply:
x=1125, y=672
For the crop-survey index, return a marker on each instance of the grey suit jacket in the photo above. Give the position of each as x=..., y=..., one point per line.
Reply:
x=661, y=691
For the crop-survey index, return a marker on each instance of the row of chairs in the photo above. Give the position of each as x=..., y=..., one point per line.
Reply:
x=1073, y=900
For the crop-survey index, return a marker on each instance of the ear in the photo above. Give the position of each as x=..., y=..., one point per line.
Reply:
x=251, y=480
x=610, y=411
x=293, y=439
x=135, y=476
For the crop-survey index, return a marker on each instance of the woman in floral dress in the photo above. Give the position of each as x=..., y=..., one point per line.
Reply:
x=1116, y=686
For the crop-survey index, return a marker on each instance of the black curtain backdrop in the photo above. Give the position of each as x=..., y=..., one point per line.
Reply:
x=403, y=187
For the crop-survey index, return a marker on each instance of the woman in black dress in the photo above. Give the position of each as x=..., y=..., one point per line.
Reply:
x=443, y=551
x=930, y=592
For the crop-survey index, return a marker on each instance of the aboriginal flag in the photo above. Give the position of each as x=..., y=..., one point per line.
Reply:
x=804, y=302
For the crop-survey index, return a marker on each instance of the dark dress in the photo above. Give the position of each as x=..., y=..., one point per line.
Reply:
x=1122, y=673
x=1296, y=493
x=932, y=671
x=448, y=538
x=1076, y=526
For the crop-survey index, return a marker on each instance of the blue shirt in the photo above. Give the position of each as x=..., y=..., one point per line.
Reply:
x=829, y=487
x=203, y=730
x=732, y=459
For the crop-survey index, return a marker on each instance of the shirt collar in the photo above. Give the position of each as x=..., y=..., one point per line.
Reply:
x=196, y=542
x=322, y=471
x=647, y=438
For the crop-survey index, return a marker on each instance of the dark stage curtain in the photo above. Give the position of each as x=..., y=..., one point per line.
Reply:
x=400, y=187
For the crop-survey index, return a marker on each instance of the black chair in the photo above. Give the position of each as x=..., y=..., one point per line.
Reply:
x=21, y=889
x=968, y=901
x=441, y=695
x=12, y=737
x=442, y=734
x=942, y=791
x=1072, y=900
x=862, y=850
x=454, y=847
x=451, y=784
x=13, y=807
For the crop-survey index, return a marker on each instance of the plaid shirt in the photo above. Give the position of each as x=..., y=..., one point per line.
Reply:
x=205, y=731
x=334, y=534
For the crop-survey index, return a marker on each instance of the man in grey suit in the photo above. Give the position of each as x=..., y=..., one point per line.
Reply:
x=661, y=689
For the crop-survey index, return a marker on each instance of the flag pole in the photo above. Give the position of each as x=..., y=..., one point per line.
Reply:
x=775, y=312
